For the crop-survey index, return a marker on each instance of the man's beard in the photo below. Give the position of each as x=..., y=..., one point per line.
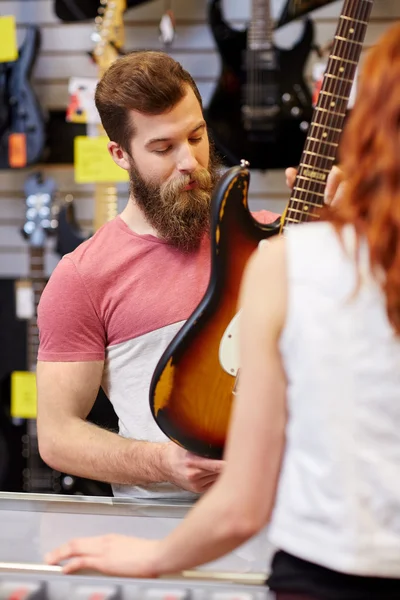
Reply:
x=180, y=217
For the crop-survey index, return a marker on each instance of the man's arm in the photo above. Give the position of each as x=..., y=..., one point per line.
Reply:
x=69, y=443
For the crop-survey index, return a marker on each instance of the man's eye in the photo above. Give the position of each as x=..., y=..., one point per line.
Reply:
x=195, y=140
x=163, y=151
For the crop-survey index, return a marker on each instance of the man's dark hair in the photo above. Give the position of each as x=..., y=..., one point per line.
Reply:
x=149, y=82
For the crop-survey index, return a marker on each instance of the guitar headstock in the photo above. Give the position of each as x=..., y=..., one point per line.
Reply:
x=41, y=212
x=109, y=33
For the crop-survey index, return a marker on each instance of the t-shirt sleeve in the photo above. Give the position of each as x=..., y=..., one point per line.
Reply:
x=69, y=325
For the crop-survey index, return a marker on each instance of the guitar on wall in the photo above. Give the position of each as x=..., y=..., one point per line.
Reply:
x=30, y=473
x=22, y=128
x=192, y=386
x=109, y=38
x=261, y=107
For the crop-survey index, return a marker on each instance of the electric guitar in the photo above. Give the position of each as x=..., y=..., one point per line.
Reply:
x=109, y=38
x=193, y=383
x=22, y=128
x=41, y=221
x=261, y=107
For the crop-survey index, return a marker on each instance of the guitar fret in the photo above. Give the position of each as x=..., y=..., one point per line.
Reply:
x=313, y=139
x=353, y=19
x=343, y=39
x=313, y=204
x=315, y=168
x=319, y=155
x=339, y=78
x=331, y=112
x=309, y=179
x=305, y=210
x=308, y=192
x=297, y=210
x=346, y=60
x=345, y=98
x=314, y=124
x=313, y=215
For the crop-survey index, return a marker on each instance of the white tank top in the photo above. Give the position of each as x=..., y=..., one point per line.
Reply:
x=338, y=501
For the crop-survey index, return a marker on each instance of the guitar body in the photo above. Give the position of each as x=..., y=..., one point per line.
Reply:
x=190, y=394
x=12, y=461
x=282, y=146
x=24, y=113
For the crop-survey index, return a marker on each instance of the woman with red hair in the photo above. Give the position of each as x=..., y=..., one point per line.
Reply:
x=314, y=442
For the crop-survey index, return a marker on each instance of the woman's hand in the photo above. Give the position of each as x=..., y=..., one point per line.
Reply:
x=117, y=555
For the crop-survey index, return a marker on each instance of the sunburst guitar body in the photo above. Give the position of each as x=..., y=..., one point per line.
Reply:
x=194, y=382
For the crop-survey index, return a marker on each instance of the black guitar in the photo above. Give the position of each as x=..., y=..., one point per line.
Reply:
x=22, y=127
x=29, y=472
x=261, y=107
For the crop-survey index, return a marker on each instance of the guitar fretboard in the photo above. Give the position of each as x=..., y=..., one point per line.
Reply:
x=323, y=138
x=36, y=276
x=260, y=35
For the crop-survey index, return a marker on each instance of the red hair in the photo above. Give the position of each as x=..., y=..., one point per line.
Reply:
x=370, y=159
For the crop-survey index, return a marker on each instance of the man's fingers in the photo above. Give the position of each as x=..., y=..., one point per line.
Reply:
x=206, y=464
x=334, y=185
x=290, y=175
x=205, y=482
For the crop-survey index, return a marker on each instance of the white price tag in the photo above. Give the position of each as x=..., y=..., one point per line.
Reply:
x=24, y=300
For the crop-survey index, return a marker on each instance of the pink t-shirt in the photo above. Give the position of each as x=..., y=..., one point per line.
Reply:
x=121, y=297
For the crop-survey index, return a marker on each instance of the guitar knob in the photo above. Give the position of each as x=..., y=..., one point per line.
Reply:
x=286, y=98
x=68, y=482
x=295, y=111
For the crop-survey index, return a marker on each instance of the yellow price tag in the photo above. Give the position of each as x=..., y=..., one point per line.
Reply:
x=93, y=163
x=8, y=37
x=23, y=395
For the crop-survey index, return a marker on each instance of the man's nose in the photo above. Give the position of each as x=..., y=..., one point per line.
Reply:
x=187, y=162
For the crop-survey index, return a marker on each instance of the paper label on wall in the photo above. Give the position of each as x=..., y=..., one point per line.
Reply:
x=24, y=299
x=23, y=395
x=8, y=37
x=81, y=107
x=93, y=163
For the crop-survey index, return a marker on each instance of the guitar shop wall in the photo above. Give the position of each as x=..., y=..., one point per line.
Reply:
x=52, y=51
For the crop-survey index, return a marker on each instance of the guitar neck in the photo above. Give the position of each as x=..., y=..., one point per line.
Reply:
x=38, y=477
x=38, y=281
x=320, y=150
x=105, y=204
x=260, y=35
x=110, y=34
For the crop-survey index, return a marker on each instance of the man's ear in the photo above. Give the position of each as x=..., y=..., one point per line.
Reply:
x=119, y=156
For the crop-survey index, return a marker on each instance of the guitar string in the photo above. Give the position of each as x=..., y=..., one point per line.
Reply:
x=348, y=50
x=339, y=90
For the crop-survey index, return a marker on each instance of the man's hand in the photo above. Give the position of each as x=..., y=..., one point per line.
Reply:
x=334, y=185
x=188, y=471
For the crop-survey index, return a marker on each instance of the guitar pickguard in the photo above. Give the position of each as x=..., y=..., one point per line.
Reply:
x=229, y=347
